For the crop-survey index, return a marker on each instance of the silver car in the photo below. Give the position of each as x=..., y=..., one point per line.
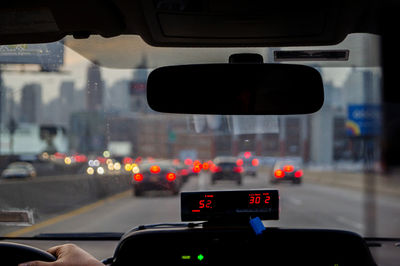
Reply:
x=19, y=170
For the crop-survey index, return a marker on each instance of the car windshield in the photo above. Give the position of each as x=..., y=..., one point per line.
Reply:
x=79, y=115
x=18, y=166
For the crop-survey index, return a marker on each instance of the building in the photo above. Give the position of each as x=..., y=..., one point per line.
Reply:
x=137, y=89
x=31, y=104
x=117, y=97
x=94, y=89
x=66, y=100
x=87, y=132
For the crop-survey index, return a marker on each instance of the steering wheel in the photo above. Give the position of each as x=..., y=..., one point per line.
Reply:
x=13, y=254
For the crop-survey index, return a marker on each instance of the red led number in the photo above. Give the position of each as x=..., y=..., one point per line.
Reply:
x=205, y=204
x=257, y=199
x=267, y=198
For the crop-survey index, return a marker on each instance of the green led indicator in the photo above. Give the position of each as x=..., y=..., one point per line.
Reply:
x=186, y=257
x=200, y=257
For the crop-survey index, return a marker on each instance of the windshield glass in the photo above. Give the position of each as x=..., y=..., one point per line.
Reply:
x=100, y=154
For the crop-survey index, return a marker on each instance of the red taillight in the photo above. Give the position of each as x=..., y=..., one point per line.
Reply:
x=298, y=173
x=138, y=177
x=206, y=166
x=184, y=172
x=197, y=169
x=127, y=160
x=215, y=169
x=255, y=162
x=80, y=158
x=279, y=173
x=238, y=169
x=171, y=176
x=247, y=154
x=59, y=155
x=197, y=162
x=155, y=169
x=239, y=162
x=102, y=160
x=188, y=161
x=288, y=168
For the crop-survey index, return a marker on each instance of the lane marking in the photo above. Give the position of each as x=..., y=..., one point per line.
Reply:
x=65, y=216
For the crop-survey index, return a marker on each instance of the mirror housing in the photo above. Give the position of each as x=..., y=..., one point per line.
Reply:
x=236, y=89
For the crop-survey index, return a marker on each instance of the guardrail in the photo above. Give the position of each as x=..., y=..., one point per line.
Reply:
x=54, y=194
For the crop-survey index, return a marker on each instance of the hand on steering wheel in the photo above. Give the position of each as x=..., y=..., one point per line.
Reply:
x=67, y=255
x=64, y=255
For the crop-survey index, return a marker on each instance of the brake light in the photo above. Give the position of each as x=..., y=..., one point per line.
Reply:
x=188, y=161
x=80, y=158
x=215, y=169
x=247, y=154
x=206, y=166
x=155, y=169
x=238, y=169
x=138, y=177
x=239, y=162
x=197, y=169
x=288, y=168
x=298, y=173
x=255, y=162
x=171, y=176
x=184, y=172
x=127, y=160
x=279, y=173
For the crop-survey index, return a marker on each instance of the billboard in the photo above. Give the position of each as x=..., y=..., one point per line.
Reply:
x=363, y=120
x=50, y=56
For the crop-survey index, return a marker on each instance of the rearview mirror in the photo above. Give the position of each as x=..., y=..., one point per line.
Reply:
x=236, y=89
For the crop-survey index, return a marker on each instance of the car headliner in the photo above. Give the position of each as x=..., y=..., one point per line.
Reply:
x=271, y=24
x=132, y=52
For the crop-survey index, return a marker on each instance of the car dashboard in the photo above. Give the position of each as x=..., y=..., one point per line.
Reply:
x=240, y=246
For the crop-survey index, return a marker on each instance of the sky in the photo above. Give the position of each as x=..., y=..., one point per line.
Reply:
x=75, y=69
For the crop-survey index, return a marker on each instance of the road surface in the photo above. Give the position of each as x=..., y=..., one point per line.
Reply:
x=304, y=206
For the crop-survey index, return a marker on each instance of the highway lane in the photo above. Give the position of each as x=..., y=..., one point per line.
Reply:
x=302, y=206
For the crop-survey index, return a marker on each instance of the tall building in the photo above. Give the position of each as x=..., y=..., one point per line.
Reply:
x=137, y=91
x=66, y=100
x=67, y=92
x=31, y=103
x=2, y=101
x=79, y=103
x=94, y=89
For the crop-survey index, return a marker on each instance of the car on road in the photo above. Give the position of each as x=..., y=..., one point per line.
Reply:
x=158, y=175
x=249, y=162
x=287, y=170
x=19, y=170
x=226, y=168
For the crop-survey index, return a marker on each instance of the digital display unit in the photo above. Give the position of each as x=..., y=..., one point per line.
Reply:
x=235, y=204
